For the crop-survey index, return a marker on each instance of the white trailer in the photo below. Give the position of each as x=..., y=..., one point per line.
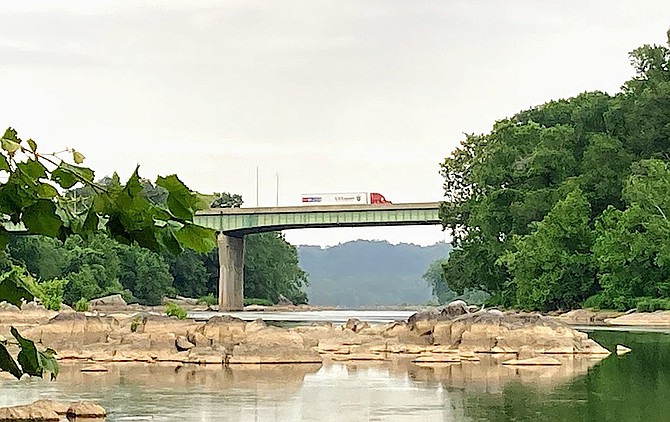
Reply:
x=343, y=198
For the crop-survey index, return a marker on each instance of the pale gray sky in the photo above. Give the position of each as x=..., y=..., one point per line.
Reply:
x=342, y=95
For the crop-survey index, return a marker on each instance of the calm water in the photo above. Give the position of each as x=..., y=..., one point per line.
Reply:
x=634, y=387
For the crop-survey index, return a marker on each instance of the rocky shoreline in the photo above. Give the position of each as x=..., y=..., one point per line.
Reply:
x=450, y=335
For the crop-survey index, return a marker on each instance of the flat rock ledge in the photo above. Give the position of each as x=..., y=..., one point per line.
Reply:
x=51, y=410
x=642, y=319
x=448, y=336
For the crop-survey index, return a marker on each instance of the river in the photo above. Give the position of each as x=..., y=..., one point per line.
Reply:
x=632, y=387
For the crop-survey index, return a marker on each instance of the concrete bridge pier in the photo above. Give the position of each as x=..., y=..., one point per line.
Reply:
x=231, y=272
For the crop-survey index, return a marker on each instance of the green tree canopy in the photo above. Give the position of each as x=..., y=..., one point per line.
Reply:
x=560, y=201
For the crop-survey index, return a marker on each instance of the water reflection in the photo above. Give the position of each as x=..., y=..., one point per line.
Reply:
x=634, y=387
x=346, y=392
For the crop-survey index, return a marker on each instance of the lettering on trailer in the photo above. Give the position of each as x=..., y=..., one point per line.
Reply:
x=311, y=199
x=348, y=198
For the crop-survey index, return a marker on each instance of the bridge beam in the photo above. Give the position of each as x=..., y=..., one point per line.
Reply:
x=231, y=272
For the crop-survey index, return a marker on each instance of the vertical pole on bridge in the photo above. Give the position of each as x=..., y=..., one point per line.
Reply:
x=231, y=272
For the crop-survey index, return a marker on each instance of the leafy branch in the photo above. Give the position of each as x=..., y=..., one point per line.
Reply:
x=35, y=195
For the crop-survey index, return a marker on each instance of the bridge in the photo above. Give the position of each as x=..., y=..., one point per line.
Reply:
x=232, y=224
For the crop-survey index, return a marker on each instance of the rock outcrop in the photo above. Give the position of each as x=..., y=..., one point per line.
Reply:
x=425, y=338
x=51, y=410
x=107, y=302
x=647, y=319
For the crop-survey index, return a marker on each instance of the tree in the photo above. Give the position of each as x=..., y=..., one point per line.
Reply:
x=33, y=196
x=434, y=275
x=94, y=269
x=227, y=200
x=632, y=248
x=191, y=274
x=503, y=188
x=44, y=257
x=552, y=268
x=271, y=269
x=145, y=274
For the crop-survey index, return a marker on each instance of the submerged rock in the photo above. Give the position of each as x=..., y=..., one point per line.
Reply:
x=536, y=361
x=621, y=349
x=86, y=409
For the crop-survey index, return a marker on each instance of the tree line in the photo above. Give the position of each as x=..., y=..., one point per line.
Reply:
x=566, y=205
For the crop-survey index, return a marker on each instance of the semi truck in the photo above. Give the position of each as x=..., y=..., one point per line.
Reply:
x=345, y=198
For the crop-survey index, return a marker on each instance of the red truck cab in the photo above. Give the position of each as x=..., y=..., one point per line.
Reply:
x=378, y=198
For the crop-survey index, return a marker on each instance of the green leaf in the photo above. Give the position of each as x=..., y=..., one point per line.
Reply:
x=49, y=363
x=11, y=134
x=146, y=238
x=64, y=177
x=195, y=237
x=13, y=288
x=4, y=164
x=41, y=218
x=32, y=169
x=91, y=222
x=8, y=364
x=28, y=356
x=10, y=146
x=77, y=156
x=168, y=240
x=45, y=190
x=32, y=145
x=181, y=201
x=67, y=175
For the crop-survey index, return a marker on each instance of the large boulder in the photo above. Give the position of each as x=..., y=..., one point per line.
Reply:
x=224, y=330
x=162, y=324
x=423, y=322
x=356, y=325
x=28, y=413
x=51, y=410
x=488, y=332
x=86, y=409
x=273, y=345
x=111, y=301
x=71, y=330
x=455, y=308
x=179, y=300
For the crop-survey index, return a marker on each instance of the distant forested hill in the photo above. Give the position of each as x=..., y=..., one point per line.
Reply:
x=368, y=273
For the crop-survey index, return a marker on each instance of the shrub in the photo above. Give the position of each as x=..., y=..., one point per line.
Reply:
x=597, y=302
x=649, y=304
x=51, y=293
x=81, y=305
x=172, y=309
x=134, y=323
x=254, y=301
x=209, y=300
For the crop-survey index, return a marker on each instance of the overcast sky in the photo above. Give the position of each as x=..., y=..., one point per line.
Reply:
x=328, y=95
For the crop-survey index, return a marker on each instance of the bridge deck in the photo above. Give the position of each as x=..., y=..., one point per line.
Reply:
x=241, y=221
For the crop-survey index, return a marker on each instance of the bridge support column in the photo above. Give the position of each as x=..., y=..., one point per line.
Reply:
x=231, y=272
